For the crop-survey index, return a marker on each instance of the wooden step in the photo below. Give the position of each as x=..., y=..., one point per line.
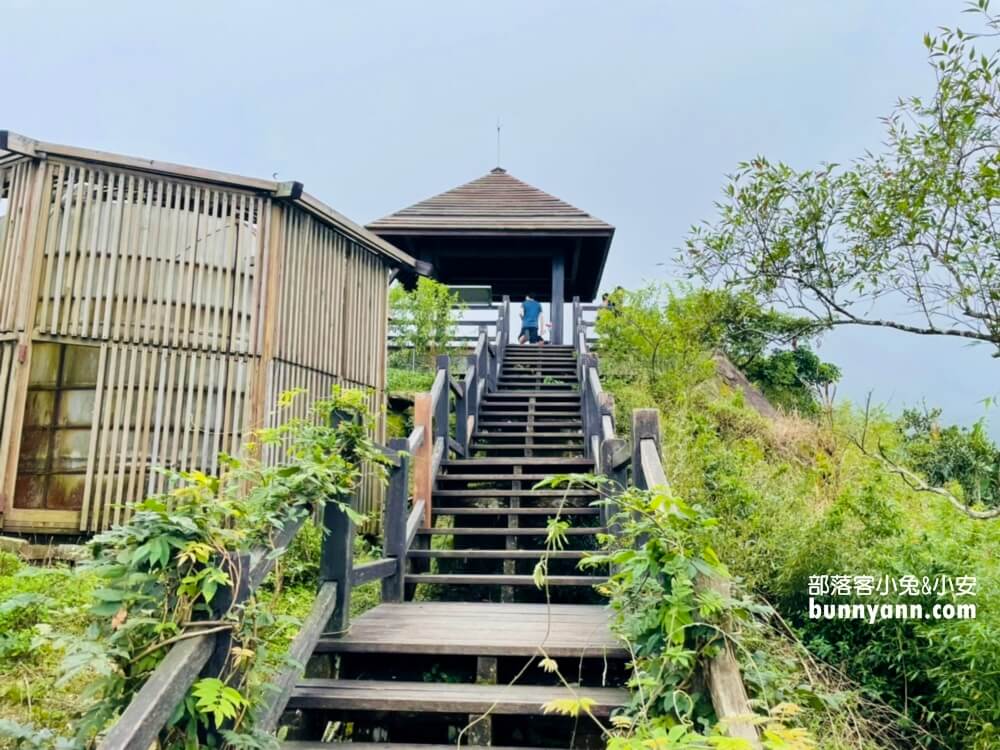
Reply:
x=539, y=357
x=498, y=554
x=480, y=434
x=445, y=698
x=525, y=404
x=521, y=441
x=491, y=493
x=526, y=394
x=509, y=385
x=301, y=745
x=485, y=579
x=566, y=463
x=523, y=448
x=533, y=370
x=516, y=378
x=573, y=423
x=505, y=531
x=538, y=418
x=480, y=629
x=458, y=477
x=451, y=511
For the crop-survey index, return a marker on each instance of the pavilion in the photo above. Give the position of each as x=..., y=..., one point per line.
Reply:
x=500, y=232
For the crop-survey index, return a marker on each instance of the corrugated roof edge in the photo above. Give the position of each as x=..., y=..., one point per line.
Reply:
x=292, y=191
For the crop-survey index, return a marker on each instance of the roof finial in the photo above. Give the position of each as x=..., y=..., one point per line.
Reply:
x=498, y=141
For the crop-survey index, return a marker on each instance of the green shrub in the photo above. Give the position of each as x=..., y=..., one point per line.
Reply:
x=795, y=498
x=423, y=321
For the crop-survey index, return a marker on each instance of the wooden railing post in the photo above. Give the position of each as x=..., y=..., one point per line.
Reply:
x=611, y=451
x=467, y=410
x=336, y=561
x=591, y=409
x=394, y=521
x=461, y=418
x=505, y=312
x=442, y=408
x=645, y=424
x=577, y=312
x=489, y=359
x=238, y=570
x=422, y=475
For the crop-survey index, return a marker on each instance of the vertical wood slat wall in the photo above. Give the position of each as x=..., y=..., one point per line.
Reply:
x=171, y=280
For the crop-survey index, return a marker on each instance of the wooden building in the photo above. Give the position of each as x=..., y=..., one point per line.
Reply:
x=151, y=313
x=500, y=232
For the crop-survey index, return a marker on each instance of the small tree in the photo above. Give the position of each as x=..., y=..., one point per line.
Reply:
x=908, y=239
x=424, y=321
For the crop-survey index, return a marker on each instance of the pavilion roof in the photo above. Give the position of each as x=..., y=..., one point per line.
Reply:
x=494, y=203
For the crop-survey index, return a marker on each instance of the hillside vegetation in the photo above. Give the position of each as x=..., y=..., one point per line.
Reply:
x=820, y=490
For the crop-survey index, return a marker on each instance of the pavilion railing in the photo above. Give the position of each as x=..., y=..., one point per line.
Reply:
x=584, y=319
x=489, y=316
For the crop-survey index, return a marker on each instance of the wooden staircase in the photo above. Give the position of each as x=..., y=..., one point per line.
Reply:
x=460, y=661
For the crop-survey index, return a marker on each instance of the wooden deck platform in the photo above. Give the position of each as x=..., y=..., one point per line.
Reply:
x=481, y=628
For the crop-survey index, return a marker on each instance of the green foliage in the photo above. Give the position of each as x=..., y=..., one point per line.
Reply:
x=674, y=610
x=161, y=573
x=654, y=336
x=913, y=225
x=39, y=604
x=952, y=454
x=670, y=622
x=423, y=321
x=401, y=380
x=796, y=498
x=793, y=378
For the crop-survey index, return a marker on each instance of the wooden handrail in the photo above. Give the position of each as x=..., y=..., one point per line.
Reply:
x=652, y=469
x=144, y=718
x=438, y=387
x=298, y=654
x=416, y=439
x=413, y=522
x=148, y=711
x=431, y=441
x=613, y=456
x=722, y=672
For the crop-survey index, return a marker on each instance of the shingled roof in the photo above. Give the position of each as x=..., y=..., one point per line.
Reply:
x=496, y=202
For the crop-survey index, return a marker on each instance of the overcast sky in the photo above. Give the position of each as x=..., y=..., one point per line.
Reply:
x=633, y=111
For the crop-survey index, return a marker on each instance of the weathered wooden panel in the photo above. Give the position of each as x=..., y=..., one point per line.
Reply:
x=332, y=315
x=283, y=377
x=141, y=259
x=159, y=409
x=15, y=198
x=194, y=306
x=315, y=274
x=6, y=364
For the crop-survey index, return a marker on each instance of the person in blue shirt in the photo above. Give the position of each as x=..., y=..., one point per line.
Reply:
x=531, y=321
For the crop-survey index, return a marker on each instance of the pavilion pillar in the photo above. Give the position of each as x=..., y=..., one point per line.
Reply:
x=558, y=297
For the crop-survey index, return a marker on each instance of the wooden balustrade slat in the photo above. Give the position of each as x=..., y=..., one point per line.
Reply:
x=141, y=722
x=375, y=570
x=438, y=388
x=652, y=468
x=416, y=439
x=414, y=522
x=299, y=652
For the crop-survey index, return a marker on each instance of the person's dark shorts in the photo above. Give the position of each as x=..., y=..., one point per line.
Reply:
x=531, y=333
